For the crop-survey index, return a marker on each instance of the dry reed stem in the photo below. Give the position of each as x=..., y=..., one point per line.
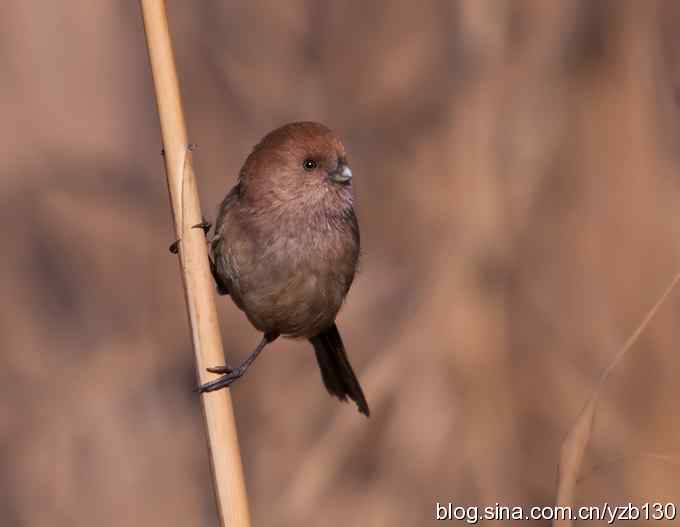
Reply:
x=575, y=444
x=225, y=456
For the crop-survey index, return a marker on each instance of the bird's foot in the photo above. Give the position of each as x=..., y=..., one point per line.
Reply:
x=174, y=247
x=230, y=375
x=205, y=225
x=222, y=370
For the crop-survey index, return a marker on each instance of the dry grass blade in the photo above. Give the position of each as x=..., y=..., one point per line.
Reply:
x=574, y=446
x=571, y=456
x=636, y=334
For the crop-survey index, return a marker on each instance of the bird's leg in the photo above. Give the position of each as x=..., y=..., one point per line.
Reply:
x=221, y=289
x=205, y=225
x=230, y=375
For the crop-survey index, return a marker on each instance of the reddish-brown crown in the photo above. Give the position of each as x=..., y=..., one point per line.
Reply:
x=278, y=167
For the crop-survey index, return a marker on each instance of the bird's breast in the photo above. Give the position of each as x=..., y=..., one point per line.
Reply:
x=293, y=280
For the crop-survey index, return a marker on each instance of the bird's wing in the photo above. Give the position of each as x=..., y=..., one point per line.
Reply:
x=223, y=283
x=354, y=229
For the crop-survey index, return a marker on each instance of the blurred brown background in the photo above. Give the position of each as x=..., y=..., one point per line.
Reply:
x=517, y=177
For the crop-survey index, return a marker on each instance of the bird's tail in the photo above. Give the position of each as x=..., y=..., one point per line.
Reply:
x=336, y=371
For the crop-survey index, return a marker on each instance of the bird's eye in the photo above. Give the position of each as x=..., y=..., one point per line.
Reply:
x=310, y=164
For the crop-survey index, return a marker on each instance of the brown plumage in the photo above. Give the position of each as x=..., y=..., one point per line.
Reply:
x=286, y=247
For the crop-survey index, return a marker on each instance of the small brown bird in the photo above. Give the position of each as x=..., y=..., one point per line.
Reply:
x=286, y=247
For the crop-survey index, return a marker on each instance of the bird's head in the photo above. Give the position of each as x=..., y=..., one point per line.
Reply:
x=300, y=163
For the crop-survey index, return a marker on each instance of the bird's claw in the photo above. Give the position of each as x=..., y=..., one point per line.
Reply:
x=222, y=370
x=222, y=382
x=190, y=147
x=204, y=225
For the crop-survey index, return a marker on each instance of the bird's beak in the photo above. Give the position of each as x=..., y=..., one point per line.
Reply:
x=342, y=174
